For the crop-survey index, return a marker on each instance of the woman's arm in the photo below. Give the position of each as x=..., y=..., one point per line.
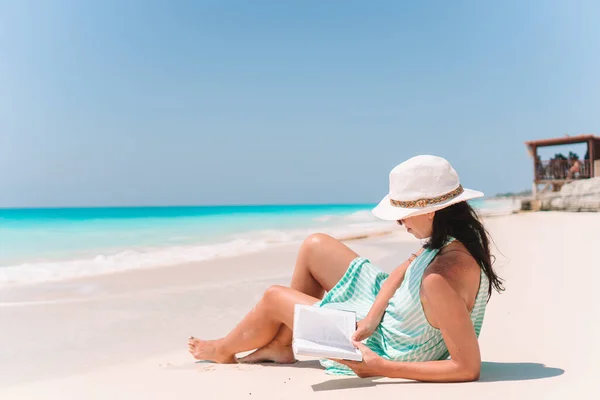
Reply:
x=446, y=310
x=389, y=287
x=449, y=313
x=367, y=326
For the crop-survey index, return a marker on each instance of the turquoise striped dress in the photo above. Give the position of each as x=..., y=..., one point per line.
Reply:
x=404, y=333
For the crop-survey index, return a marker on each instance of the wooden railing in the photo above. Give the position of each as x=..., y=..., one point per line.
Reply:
x=559, y=170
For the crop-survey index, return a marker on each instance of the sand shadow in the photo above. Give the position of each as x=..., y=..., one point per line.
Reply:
x=312, y=364
x=351, y=383
x=518, y=371
x=490, y=372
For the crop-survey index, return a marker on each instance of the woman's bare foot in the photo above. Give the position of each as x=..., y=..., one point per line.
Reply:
x=274, y=352
x=208, y=350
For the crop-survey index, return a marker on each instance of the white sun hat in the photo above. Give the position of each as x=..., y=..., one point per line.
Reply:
x=421, y=185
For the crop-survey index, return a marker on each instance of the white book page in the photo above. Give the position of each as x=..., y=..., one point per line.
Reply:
x=324, y=332
x=305, y=347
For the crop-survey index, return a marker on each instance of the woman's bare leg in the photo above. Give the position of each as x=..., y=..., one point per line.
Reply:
x=257, y=328
x=322, y=261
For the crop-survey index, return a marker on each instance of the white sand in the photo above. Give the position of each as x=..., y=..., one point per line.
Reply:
x=123, y=336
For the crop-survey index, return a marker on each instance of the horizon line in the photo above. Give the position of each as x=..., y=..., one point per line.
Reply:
x=183, y=206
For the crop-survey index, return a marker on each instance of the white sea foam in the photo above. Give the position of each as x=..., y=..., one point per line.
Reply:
x=124, y=260
x=37, y=272
x=358, y=216
x=493, y=208
x=364, y=215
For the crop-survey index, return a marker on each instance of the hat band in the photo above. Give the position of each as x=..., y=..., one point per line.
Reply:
x=428, y=201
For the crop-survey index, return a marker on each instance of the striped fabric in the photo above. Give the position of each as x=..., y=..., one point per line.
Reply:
x=404, y=333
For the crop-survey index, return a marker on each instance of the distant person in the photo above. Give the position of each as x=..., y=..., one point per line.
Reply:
x=575, y=169
x=411, y=321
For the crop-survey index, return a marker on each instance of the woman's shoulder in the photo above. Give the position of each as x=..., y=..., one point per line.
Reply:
x=453, y=265
x=456, y=267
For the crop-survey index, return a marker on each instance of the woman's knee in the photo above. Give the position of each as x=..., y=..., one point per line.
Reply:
x=277, y=299
x=317, y=241
x=273, y=293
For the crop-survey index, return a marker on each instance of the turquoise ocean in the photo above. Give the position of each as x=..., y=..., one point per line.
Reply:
x=58, y=243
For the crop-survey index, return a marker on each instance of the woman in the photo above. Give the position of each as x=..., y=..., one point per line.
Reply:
x=411, y=321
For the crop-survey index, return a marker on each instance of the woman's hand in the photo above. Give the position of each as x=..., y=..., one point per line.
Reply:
x=364, y=329
x=369, y=366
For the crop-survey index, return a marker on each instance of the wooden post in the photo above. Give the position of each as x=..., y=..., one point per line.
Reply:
x=535, y=160
x=591, y=146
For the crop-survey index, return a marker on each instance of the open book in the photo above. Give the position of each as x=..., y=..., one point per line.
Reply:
x=323, y=332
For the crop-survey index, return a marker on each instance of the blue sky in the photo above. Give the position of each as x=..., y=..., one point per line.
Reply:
x=231, y=102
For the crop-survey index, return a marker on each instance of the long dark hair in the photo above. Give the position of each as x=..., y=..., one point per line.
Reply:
x=462, y=223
